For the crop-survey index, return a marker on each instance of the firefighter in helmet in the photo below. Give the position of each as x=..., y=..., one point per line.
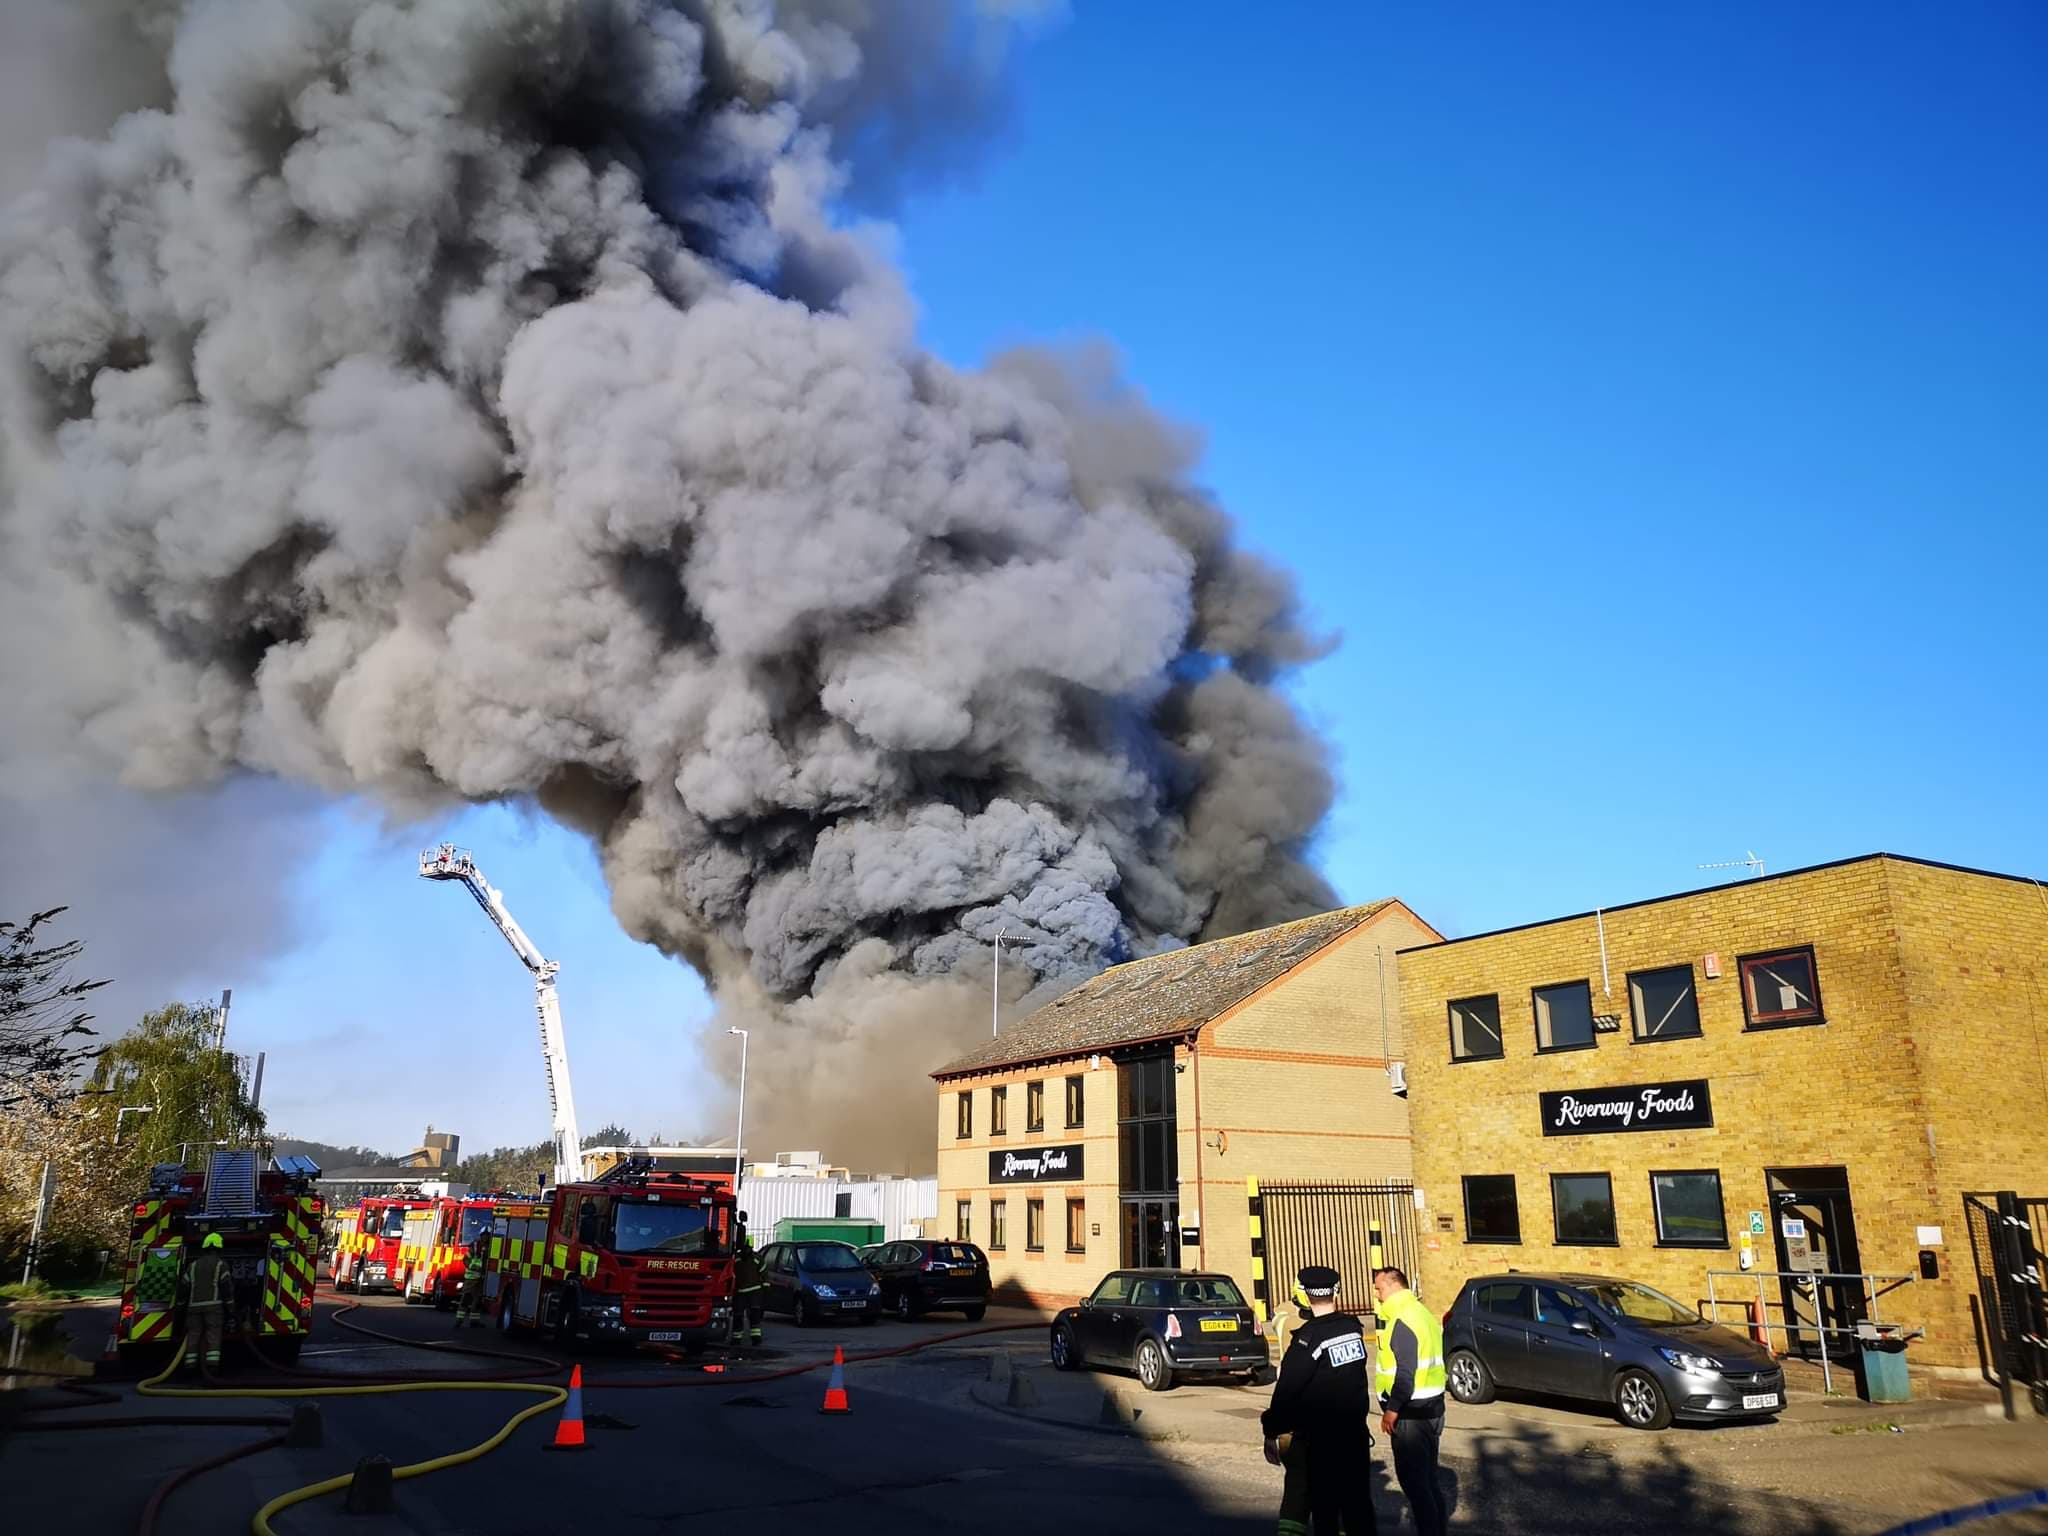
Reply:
x=469, y=1301
x=750, y=1285
x=207, y=1285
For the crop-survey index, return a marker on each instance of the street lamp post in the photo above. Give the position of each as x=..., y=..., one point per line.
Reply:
x=995, y=987
x=739, y=1133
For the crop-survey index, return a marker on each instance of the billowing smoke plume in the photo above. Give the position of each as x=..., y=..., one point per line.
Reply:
x=490, y=398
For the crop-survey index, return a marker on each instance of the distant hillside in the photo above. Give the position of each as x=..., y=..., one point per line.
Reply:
x=332, y=1157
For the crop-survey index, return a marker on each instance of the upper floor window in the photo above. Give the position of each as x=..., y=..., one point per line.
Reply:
x=1780, y=988
x=1665, y=1004
x=963, y=1115
x=999, y=1111
x=1075, y=1099
x=1034, y=1106
x=1564, y=1016
x=1475, y=1028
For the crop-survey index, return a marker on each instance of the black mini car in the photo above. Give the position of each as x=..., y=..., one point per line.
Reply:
x=1163, y=1324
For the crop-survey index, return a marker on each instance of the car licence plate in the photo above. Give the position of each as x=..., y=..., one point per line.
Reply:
x=853, y=1306
x=1761, y=1400
x=666, y=1336
x=1219, y=1325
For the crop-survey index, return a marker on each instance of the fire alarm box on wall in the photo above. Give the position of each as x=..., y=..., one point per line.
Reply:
x=1712, y=965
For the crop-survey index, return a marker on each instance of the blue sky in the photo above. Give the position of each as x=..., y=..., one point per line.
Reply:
x=1653, y=398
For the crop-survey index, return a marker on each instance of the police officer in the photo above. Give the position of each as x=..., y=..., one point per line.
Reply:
x=750, y=1285
x=469, y=1301
x=1322, y=1403
x=1410, y=1378
x=208, y=1284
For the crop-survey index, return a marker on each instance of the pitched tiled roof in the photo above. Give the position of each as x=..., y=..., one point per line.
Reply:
x=1162, y=995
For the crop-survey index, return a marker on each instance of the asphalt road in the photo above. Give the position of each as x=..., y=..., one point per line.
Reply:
x=674, y=1448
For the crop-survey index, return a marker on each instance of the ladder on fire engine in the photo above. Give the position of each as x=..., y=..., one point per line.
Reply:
x=231, y=1183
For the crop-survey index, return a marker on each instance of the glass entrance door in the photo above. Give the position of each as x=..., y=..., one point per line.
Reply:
x=1151, y=1237
x=1814, y=1227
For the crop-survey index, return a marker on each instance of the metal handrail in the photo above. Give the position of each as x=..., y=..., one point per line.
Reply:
x=1869, y=1281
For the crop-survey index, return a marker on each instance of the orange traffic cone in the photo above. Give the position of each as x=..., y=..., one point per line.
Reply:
x=569, y=1433
x=835, y=1389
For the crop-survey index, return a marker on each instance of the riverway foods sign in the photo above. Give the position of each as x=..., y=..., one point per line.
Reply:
x=1681, y=1106
x=1036, y=1165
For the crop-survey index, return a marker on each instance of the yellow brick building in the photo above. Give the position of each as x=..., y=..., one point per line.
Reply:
x=1831, y=1056
x=1118, y=1124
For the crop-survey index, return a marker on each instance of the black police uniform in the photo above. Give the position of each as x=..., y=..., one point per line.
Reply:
x=1324, y=1400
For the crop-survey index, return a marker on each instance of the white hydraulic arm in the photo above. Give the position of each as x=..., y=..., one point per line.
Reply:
x=448, y=862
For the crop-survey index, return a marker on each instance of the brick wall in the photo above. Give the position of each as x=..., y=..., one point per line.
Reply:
x=1919, y=971
x=1296, y=1082
x=1052, y=1277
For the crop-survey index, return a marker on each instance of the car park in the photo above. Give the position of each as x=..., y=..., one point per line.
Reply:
x=931, y=1276
x=1651, y=1359
x=1163, y=1324
x=816, y=1280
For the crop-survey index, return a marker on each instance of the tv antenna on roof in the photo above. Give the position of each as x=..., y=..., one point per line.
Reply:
x=1749, y=861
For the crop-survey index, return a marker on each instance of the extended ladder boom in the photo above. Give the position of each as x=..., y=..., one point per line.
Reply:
x=448, y=862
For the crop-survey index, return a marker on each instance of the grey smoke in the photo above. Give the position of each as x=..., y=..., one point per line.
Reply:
x=465, y=399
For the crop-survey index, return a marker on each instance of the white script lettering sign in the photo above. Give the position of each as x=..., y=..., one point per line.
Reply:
x=1036, y=1165
x=1680, y=1106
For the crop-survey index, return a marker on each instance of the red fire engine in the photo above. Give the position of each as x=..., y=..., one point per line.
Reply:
x=436, y=1243
x=269, y=1224
x=632, y=1256
x=367, y=1258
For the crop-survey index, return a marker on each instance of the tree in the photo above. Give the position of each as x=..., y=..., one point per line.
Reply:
x=516, y=1168
x=193, y=1089
x=613, y=1135
x=44, y=1034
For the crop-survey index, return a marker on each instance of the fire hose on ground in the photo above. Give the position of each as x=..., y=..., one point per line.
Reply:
x=551, y=1396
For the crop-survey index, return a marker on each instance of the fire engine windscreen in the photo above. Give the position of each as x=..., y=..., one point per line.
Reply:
x=474, y=1221
x=394, y=1222
x=638, y=1227
x=445, y=401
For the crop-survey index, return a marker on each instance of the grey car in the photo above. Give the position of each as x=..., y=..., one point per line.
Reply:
x=1618, y=1342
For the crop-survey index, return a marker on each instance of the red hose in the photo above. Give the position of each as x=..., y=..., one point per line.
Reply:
x=146, y=1526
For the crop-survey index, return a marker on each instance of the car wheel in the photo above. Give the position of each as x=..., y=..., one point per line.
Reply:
x=1469, y=1379
x=1641, y=1401
x=1154, y=1374
x=905, y=1309
x=1066, y=1355
x=976, y=1314
x=804, y=1315
x=505, y=1324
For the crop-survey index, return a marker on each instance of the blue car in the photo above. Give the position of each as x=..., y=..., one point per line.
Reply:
x=814, y=1281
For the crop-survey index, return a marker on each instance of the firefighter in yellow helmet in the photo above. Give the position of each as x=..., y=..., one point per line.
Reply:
x=205, y=1286
x=469, y=1301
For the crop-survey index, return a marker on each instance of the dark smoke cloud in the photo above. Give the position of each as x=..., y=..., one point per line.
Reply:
x=465, y=399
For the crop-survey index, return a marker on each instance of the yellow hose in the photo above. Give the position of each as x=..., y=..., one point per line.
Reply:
x=551, y=1397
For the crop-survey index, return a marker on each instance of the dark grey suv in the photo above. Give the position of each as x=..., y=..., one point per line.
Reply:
x=1617, y=1342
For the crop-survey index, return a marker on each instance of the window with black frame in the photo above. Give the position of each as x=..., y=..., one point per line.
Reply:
x=1564, y=1016
x=963, y=1116
x=1665, y=1003
x=1076, y=1101
x=1077, y=1226
x=963, y=1221
x=1492, y=1214
x=1034, y=1225
x=1689, y=1207
x=1475, y=1028
x=1034, y=1106
x=1582, y=1208
x=999, y=1111
x=998, y=1224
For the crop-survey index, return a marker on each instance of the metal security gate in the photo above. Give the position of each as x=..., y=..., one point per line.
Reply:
x=2008, y=1238
x=1353, y=1228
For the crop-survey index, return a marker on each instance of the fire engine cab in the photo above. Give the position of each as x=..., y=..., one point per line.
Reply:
x=367, y=1259
x=632, y=1256
x=269, y=1226
x=435, y=1245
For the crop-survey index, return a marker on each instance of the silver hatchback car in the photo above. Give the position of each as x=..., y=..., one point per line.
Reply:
x=1618, y=1342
